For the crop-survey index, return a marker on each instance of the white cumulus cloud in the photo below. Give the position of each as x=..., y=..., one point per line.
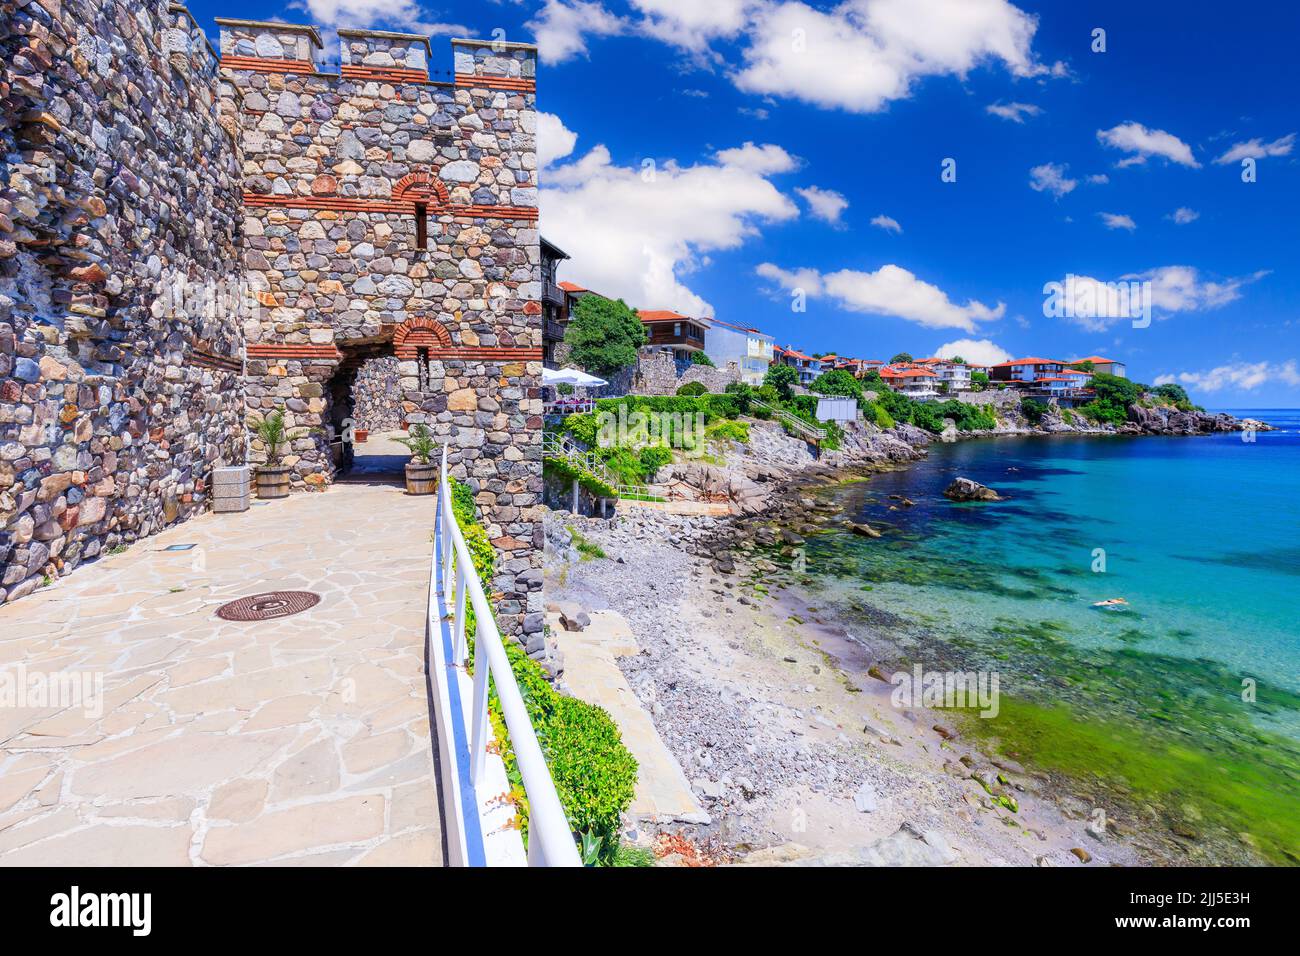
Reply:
x=1114, y=220
x=554, y=139
x=1243, y=376
x=1015, y=112
x=1051, y=178
x=1258, y=149
x=1144, y=143
x=887, y=223
x=863, y=54
x=636, y=232
x=405, y=15
x=1183, y=215
x=561, y=28
x=890, y=290
x=825, y=204
x=764, y=160
x=974, y=351
x=1097, y=304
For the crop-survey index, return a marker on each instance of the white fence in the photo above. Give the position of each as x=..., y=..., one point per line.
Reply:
x=473, y=780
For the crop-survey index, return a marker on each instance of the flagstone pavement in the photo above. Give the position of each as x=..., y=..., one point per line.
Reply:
x=298, y=741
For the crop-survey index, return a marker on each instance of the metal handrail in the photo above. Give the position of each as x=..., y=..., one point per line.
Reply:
x=797, y=423
x=550, y=837
x=561, y=446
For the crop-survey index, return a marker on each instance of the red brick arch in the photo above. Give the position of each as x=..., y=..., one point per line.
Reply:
x=419, y=333
x=420, y=187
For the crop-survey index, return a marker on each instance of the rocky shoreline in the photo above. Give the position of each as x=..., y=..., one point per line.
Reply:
x=776, y=713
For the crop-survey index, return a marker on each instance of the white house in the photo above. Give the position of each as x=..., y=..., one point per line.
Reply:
x=750, y=349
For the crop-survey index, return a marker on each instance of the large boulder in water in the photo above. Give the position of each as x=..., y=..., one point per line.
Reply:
x=965, y=489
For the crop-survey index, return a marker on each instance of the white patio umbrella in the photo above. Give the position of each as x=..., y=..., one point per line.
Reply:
x=571, y=376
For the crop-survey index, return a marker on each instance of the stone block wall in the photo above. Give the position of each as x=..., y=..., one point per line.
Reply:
x=119, y=347
x=375, y=396
x=390, y=216
x=658, y=373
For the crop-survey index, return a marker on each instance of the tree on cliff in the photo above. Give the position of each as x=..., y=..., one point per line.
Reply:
x=782, y=378
x=837, y=382
x=603, y=335
x=902, y=358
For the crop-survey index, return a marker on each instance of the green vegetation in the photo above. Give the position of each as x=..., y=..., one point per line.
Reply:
x=1114, y=396
x=419, y=442
x=584, y=546
x=837, y=382
x=700, y=358
x=693, y=389
x=979, y=381
x=593, y=771
x=1033, y=410
x=272, y=433
x=1172, y=392
x=727, y=430
x=902, y=358
x=604, y=335
x=783, y=378
x=565, y=469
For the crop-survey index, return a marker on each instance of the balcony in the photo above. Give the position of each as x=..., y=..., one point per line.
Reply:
x=675, y=335
x=552, y=294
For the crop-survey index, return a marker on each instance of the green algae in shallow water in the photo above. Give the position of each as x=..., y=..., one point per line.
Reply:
x=1242, y=796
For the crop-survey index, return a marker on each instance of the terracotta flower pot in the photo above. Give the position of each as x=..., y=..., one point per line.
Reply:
x=359, y=435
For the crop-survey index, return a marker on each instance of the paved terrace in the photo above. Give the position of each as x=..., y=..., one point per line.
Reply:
x=303, y=740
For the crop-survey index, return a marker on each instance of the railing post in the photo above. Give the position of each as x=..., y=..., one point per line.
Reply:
x=478, y=749
x=460, y=609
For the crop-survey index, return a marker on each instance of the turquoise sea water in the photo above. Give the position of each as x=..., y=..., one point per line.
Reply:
x=1199, y=534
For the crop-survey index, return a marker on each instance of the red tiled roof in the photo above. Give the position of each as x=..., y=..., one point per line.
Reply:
x=661, y=315
x=889, y=371
x=571, y=287
x=1096, y=360
x=1030, y=361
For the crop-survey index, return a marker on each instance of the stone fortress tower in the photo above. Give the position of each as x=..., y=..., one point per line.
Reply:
x=370, y=212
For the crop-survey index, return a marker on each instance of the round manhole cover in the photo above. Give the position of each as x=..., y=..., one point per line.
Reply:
x=269, y=606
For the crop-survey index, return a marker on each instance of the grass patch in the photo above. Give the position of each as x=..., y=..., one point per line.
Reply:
x=587, y=548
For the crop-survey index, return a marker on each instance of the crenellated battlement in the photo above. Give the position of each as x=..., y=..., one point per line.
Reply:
x=376, y=56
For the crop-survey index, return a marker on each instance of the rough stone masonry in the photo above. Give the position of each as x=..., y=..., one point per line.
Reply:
x=366, y=214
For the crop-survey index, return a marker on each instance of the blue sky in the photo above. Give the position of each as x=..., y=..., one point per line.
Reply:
x=718, y=158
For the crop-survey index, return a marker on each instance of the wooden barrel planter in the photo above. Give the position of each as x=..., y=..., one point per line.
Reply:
x=421, y=478
x=273, y=482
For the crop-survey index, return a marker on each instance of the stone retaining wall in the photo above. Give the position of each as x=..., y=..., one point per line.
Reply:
x=119, y=213
x=658, y=373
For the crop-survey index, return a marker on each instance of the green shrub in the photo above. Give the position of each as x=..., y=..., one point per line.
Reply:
x=654, y=457
x=700, y=358
x=692, y=389
x=603, y=335
x=728, y=431
x=594, y=772
x=782, y=378
x=1033, y=410
x=837, y=382
x=563, y=469
x=744, y=395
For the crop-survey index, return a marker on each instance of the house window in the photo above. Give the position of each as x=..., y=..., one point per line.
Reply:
x=677, y=329
x=421, y=226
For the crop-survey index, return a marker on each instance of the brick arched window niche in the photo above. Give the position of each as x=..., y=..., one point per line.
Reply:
x=426, y=195
x=419, y=334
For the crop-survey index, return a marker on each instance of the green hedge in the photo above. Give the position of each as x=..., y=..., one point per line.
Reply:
x=594, y=772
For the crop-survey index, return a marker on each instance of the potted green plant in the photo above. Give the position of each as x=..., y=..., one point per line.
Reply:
x=273, y=477
x=421, y=471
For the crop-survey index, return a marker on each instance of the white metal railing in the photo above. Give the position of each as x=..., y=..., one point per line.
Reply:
x=453, y=588
x=809, y=432
x=569, y=406
x=561, y=446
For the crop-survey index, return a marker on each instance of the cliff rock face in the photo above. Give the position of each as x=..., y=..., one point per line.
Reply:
x=1170, y=421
